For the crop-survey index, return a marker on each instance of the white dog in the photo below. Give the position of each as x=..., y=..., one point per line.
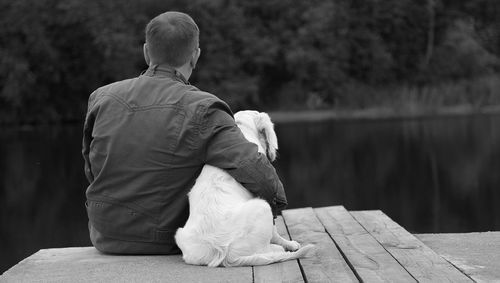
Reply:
x=227, y=225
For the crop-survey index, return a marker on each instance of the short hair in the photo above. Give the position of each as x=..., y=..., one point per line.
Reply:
x=171, y=38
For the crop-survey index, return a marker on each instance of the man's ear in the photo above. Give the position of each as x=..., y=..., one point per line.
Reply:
x=146, y=54
x=194, y=58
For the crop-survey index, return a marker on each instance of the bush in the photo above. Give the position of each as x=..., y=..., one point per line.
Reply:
x=264, y=54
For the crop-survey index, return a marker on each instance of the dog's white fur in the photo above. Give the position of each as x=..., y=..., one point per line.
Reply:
x=227, y=225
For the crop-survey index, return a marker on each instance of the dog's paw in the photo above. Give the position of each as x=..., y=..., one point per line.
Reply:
x=291, y=246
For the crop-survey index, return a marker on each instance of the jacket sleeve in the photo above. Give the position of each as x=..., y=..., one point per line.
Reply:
x=228, y=149
x=87, y=136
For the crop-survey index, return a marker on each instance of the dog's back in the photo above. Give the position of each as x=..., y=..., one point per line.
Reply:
x=208, y=231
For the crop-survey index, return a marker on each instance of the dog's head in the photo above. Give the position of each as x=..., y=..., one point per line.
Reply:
x=258, y=128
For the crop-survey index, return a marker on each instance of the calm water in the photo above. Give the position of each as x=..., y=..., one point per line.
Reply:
x=432, y=175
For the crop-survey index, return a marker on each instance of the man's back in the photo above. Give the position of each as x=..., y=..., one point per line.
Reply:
x=145, y=154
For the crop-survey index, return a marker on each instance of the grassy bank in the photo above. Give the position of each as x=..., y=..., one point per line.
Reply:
x=462, y=97
x=470, y=93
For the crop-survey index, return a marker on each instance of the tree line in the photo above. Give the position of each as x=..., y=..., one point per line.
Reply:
x=262, y=54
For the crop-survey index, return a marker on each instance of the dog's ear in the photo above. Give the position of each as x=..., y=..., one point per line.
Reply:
x=267, y=135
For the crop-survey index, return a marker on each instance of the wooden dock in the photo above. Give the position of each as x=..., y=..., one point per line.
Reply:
x=355, y=246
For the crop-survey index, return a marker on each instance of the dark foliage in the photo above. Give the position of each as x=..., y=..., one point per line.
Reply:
x=266, y=54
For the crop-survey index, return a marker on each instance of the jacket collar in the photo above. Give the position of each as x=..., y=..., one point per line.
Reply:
x=165, y=71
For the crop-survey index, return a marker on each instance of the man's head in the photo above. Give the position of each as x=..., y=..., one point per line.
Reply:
x=172, y=38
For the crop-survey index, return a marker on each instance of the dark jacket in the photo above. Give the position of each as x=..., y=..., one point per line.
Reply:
x=145, y=142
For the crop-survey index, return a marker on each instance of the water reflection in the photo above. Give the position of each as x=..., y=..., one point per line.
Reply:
x=435, y=175
x=41, y=192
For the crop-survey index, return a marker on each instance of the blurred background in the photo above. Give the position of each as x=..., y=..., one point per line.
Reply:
x=389, y=105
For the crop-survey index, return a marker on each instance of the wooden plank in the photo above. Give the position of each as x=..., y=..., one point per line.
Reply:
x=475, y=254
x=288, y=271
x=420, y=261
x=327, y=265
x=89, y=265
x=369, y=259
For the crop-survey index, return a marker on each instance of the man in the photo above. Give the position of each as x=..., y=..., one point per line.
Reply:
x=146, y=140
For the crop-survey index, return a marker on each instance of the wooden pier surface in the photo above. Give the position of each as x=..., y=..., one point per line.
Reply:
x=355, y=246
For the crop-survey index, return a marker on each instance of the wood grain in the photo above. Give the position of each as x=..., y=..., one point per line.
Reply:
x=327, y=265
x=370, y=260
x=421, y=262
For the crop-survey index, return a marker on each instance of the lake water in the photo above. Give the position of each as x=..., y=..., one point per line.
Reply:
x=429, y=175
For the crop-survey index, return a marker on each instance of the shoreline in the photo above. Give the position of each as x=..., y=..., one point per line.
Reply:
x=319, y=115
x=377, y=113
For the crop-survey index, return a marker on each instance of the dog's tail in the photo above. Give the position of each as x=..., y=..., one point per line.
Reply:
x=271, y=257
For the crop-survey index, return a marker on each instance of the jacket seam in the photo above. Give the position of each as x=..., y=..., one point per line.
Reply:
x=136, y=108
x=118, y=99
x=157, y=106
x=130, y=205
x=155, y=241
